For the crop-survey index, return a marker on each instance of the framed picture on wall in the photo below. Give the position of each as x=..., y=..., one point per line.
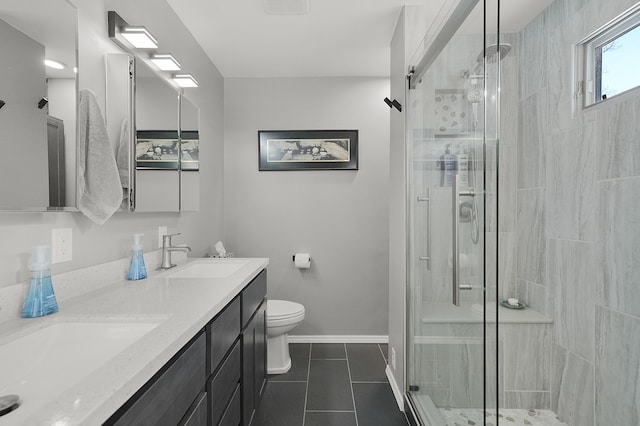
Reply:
x=308, y=150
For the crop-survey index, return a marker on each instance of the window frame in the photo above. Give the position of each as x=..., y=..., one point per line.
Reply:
x=590, y=56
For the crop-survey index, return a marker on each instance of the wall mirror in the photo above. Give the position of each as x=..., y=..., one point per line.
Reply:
x=165, y=142
x=157, y=146
x=38, y=105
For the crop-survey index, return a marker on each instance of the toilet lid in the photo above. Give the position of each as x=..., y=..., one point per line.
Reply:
x=281, y=309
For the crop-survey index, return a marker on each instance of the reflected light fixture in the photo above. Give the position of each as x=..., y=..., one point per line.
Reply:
x=166, y=62
x=185, y=80
x=139, y=37
x=54, y=64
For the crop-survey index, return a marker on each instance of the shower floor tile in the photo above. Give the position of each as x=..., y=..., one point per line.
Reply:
x=467, y=417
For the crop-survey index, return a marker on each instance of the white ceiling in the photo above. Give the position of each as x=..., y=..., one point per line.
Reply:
x=336, y=37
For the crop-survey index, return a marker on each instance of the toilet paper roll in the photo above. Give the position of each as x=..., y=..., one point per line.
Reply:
x=302, y=260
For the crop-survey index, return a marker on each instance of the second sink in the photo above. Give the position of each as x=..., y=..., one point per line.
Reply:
x=209, y=268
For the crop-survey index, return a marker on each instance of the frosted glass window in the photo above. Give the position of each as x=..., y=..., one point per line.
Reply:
x=612, y=58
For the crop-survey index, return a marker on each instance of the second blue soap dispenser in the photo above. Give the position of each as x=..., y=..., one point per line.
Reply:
x=137, y=270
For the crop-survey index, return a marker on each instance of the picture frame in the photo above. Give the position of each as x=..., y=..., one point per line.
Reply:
x=164, y=150
x=189, y=150
x=281, y=150
x=157, y=149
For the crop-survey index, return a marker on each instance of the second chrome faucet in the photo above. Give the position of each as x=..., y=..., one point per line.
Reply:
x=167, y=248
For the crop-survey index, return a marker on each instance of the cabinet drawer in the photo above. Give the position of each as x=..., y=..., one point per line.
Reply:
x=197, y=415
x=231, y=416
x=252, y=296
x=169, y=397
x=222, y=332
x=222, y=385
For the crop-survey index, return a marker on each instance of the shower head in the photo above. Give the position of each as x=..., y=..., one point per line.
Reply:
x=492, y=51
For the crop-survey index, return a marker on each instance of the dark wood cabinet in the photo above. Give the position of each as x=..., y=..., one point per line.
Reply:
x=254, y=346
x=197, y=414
x=217, y=379
x=167, y=397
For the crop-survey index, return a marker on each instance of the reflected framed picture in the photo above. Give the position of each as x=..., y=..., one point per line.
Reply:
x=157, y=149
x=308, y=150
x=189, y=150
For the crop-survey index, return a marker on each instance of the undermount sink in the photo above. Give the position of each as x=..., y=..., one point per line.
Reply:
x=44, y=363
x=209, y=268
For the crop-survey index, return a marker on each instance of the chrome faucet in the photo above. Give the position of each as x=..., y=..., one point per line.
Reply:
x=167, y=248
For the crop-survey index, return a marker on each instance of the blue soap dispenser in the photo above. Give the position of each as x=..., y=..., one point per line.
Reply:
x=137, y=270
x=40, y=300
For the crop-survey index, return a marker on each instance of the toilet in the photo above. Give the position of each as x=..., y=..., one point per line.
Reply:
x=282, y=317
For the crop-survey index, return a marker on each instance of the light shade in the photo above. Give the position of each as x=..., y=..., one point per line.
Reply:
x=166, y=62
x=54, y=64
x=185, y=80
x=139, y=37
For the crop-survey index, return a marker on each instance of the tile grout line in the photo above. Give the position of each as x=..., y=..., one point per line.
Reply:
x=353, y=397
x=306, y=389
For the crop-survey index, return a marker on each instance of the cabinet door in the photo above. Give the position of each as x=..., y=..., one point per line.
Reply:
x=248, y=371
x=170, y=395
x=254, y=363
x=197, y=415
x=261, y=352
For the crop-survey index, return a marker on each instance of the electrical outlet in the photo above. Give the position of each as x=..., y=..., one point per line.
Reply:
x=393, y=358
x=162, y=230
x=61, y=245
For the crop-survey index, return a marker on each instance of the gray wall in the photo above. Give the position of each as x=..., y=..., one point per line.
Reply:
x=578, y=193
x=94, y=244
x=339, y=217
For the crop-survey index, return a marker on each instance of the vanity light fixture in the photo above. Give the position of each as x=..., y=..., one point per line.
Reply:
x=185, y=80
x=139, y=37
x=54, y=64
x=166, y=62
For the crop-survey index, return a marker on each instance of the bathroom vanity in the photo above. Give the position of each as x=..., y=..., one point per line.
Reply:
x=199, y=358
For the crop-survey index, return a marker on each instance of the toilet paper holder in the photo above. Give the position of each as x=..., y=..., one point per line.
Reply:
x=293, y=258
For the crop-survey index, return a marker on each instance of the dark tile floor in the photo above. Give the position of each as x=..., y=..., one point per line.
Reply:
x=331, y=384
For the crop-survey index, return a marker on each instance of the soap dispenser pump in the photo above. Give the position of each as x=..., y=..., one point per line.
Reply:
x=40, y=300
x=137, y=270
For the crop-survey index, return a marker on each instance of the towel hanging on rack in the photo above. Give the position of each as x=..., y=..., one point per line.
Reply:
x=100, y=191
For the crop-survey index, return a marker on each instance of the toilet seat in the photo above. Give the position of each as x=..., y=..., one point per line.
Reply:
x=279, y=310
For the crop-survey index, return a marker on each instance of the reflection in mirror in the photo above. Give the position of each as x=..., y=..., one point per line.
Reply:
x=190, y=156
x=38, y=112
x=157, y=147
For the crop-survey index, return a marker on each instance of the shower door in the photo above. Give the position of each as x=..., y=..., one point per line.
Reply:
x=452, y=143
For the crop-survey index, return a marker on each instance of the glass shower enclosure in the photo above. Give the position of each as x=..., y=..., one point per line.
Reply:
x=453, y=131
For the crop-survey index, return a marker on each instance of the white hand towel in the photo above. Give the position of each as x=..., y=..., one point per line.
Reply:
x=98, y=181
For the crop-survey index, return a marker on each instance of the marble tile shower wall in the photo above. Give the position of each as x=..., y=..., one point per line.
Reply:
x=577, y=221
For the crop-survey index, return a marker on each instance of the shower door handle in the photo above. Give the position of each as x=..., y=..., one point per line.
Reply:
x=455, y=215
x=427, y=256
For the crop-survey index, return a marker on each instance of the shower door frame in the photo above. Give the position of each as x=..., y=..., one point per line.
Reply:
x=455, y=20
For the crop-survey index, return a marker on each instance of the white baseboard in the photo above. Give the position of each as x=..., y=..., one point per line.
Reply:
x=395, y=388
x=337, y=339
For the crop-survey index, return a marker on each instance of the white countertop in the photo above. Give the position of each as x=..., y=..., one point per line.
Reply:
x=181, y=306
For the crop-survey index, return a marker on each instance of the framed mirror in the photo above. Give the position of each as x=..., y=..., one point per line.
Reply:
x=157, y=145
x=38, y=105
